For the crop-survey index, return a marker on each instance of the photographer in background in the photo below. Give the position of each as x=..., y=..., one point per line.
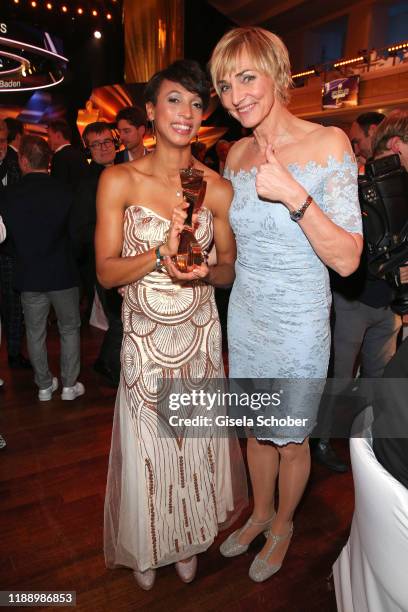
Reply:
x=364, y=324
x=392, y=138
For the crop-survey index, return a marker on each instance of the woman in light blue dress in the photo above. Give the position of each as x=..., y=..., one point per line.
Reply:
x=295, y=212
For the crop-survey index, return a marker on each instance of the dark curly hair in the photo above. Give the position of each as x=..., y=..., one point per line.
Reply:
x=187, y=73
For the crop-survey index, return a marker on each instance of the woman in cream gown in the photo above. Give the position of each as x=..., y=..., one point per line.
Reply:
x=166, y=494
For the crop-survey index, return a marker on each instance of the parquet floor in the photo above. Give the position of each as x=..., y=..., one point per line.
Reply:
x=52, y=482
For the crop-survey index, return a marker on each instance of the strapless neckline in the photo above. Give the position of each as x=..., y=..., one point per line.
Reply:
x=204, y=208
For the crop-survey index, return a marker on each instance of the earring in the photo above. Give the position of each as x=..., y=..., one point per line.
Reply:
x=153, y=130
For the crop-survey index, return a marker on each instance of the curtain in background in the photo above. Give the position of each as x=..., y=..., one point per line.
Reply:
x=154, y=33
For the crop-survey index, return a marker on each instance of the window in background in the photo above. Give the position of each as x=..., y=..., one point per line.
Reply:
x=325, y=43
x=397, y=23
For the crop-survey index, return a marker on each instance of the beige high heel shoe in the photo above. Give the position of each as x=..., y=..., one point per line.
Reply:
x=186, y=571
x=232, y=548
x=145, y=579
x=260, y=569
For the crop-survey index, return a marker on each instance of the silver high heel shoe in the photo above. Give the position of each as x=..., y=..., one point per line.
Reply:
x=260, y=569
x=145, y=579
x=187, y=570
x=232, y=548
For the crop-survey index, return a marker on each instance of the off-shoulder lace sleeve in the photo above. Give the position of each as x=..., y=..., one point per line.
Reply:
x=2, y=230
x=340, y=197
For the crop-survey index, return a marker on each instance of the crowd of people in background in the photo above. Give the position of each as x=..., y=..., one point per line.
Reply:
x=48, y=219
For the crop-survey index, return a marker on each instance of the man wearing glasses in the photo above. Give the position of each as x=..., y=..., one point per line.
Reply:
x=99, y=141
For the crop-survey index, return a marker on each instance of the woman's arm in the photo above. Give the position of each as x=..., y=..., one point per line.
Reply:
x=113, y=270
x=2, y=230
x=336, y=247
x=222, y=274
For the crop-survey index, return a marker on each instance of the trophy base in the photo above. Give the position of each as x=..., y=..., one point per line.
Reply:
x=190, y=254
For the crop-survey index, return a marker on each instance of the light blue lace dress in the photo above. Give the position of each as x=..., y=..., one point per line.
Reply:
x=278, y=318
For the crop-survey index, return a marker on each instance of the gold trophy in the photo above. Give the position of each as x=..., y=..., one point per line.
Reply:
x=189, y=252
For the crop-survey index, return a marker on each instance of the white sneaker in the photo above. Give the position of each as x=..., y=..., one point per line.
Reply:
x=71, y=393
x=44, y=395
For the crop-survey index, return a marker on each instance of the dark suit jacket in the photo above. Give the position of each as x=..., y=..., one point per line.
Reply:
x=69, y=166
x=12, y=155
x=83, y=215
x=391, y=416
x=10, y=168
x=122, y=156
x=36, y=215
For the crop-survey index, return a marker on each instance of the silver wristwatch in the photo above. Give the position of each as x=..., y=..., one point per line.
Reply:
x=297, y=215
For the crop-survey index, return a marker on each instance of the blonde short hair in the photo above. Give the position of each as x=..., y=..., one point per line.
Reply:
x=266, y=50
x=396, y=124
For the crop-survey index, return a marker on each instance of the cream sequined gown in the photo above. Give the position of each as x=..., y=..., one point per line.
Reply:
x=166, y=496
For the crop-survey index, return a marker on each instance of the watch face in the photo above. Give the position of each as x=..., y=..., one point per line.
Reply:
x=295, y=216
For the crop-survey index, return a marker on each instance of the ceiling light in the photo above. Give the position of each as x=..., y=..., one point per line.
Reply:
x=97, y=34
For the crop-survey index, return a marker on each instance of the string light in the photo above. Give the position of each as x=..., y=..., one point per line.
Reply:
x=64, y=8
x=350, y=61
x=303, y=74
x=397, y=47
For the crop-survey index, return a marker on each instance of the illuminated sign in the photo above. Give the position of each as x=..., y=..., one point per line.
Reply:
x=30, y=59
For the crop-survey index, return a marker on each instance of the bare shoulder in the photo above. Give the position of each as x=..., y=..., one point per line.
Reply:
x=121, y=175
x=330, y=142
x=219, y=191
x=238, y=154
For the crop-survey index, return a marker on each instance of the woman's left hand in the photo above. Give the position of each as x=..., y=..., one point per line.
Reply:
x=195, y=274
x=274, y=182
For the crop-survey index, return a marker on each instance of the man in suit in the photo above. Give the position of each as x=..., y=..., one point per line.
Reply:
x=15, y=133
x=36, y=214
x=98, y=139
x=11, y=311
x=68, y=165
x=131, y=125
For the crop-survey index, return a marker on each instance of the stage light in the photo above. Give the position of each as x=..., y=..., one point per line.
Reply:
x=80, y=11
x=97, y=34
x=49, y=6
x=108, y=16
x=95, y=13
x=16, y=1
x=33, y=4
x=64, y=9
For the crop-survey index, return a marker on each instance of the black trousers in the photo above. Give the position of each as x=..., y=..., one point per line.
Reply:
x=109, y=353
x=11, y=309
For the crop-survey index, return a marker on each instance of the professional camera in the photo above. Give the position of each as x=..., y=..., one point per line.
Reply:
x=383, y=194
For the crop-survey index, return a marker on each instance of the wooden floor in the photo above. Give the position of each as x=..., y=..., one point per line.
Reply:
x=52, y=482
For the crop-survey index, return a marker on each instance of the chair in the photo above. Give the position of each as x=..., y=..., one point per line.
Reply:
x=371, y=572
